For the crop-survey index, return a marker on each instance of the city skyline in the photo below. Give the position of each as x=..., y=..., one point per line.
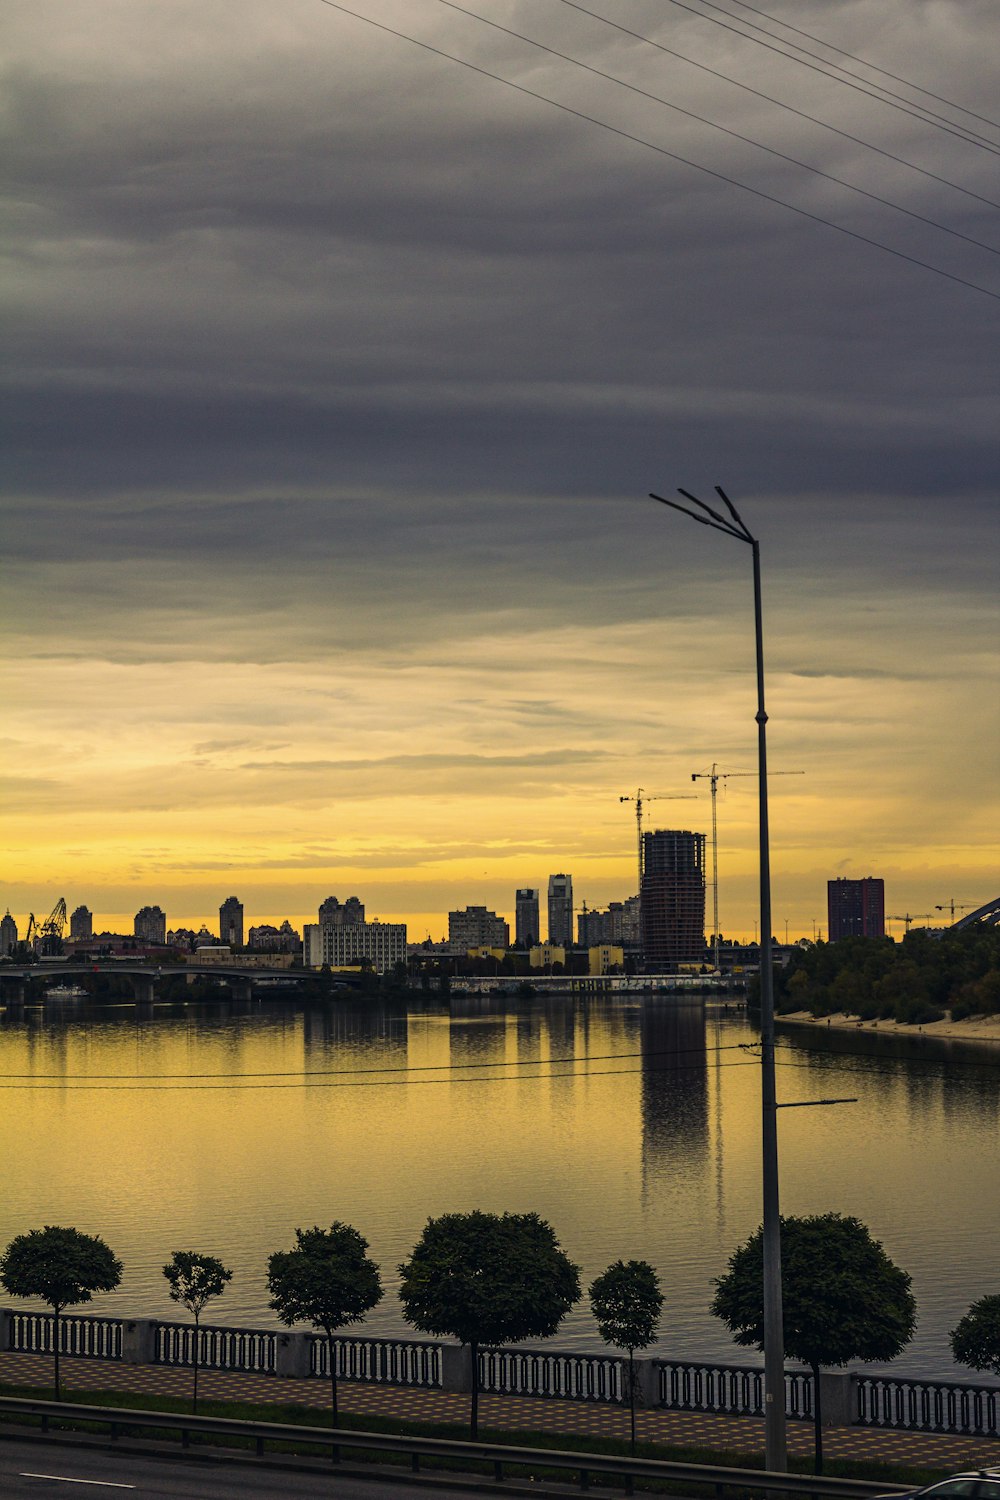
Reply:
x=338, y=377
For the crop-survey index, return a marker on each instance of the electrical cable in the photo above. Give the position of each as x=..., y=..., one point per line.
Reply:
x=528, y=1062
x=69, y=1087
x=672, y=155
x=875, y=67
x=714, y=125
x=926, y=116
x=770, y=99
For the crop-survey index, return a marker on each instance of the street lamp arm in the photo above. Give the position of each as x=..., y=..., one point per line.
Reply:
x=722, y=521
x=734, y=512
x=719, y=525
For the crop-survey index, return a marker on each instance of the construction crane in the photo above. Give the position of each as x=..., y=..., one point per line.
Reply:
x=910, y=917
x=714, y=776
x=640, y=799
x=953, y=907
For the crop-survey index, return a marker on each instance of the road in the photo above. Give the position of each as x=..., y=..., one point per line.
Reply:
x=37, y=1468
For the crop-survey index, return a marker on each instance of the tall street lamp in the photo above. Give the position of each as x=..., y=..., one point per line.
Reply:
x=774, y=1343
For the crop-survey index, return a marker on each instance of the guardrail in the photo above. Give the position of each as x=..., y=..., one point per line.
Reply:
x=685, y=1385
x=622, y=1469
x=927, y=1405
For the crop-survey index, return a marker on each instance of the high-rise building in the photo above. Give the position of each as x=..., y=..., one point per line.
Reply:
x=672, y=899
x=81, y=925
x=475, y=927
x=150, y=925
x=526, y=922
x=561, y=910
x=855, y=908
x=331, y=913
x=231, y=922
x=8, y=933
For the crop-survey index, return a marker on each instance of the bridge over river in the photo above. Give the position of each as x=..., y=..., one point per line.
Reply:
x=146, y=977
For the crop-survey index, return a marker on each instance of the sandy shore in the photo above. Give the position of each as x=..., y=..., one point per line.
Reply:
x=972, y=1029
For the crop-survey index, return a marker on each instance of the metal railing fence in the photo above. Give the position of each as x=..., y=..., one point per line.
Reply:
x=686, y=1385
x=927, y=1405
x=380, y=1361
x=95, y=1338
x=544, y=1372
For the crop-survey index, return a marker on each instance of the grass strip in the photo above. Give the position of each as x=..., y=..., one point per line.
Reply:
x=311, y=1416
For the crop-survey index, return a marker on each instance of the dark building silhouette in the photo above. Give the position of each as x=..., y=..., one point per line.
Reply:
x=672, y=899
x=855, y=908
x=561, y=910
x=527, y=928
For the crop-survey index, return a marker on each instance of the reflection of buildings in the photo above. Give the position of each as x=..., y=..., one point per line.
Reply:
x=673, y=897
x=855, y=908
x=674, y=1087
x=561, y=910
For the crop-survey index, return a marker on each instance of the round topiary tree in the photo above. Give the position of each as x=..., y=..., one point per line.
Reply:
x=62, y=1267
x=626, y=1302
x=842, y=1298
x=976, y=1340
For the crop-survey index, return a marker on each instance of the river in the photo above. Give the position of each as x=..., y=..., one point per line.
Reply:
x=632, y=1125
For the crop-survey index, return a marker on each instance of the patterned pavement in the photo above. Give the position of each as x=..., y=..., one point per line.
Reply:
x=509, y=1413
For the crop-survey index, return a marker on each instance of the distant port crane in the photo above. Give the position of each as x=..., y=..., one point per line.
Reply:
x=48, y=934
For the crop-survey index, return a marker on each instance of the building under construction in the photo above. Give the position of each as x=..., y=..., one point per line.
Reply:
x=672, y=904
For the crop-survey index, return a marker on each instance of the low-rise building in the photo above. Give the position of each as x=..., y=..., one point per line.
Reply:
x=544, y=955
x=606, y=958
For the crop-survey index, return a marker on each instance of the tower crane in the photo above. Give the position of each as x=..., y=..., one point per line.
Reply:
x=640, y=799
x=713, y=777
x=953, y=907
x=909, y=917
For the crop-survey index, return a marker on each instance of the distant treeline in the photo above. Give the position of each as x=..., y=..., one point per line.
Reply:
x=915, y=981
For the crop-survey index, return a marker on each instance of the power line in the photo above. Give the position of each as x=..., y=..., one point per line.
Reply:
x=69, y=1087
x=449, y=1067
x=951, y=103
x=714, y=125
x=662, y=151
x=780, y=103
x=886, y=96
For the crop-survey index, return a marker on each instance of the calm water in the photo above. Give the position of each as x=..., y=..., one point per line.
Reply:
x=631, y=1125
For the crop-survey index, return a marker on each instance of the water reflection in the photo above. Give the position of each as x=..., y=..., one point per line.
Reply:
x=632, y=1125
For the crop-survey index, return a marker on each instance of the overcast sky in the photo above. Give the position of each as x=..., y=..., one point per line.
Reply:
x=337, y=374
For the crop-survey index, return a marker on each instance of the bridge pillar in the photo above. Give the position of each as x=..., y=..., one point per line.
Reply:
x=142, y=988
x=13, y=990
x=242, y=989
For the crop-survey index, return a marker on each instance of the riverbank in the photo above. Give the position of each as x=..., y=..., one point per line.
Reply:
x=971, y=1029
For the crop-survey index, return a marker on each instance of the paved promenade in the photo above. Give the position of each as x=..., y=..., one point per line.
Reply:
x=507, y=1413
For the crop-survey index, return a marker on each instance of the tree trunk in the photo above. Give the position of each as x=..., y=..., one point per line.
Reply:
x=197, y=1342
x=332, y=1356
x=631, y=1397
x=817, y=1424
x=474, y=1421
x=55, y=1346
